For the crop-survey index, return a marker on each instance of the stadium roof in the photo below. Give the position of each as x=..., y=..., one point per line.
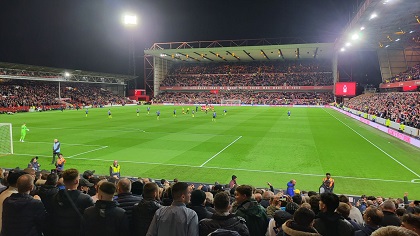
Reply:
x=73, y=75
x=239, y=50
x=386, y=23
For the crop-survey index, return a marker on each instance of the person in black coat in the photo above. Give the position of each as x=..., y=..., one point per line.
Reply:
x=390, y=218
x=329, y=222
x=126, y=200
x=198, y=200
x=144, y=211
x=372, y=217
x=222, y=219
x=105, y=218
x=22, y=214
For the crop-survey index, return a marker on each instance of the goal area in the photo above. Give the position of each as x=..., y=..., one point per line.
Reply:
x=6, y=139
x=230, y=102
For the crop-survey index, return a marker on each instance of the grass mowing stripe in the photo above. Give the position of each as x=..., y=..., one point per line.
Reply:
x=374, y=145
x=220, y=151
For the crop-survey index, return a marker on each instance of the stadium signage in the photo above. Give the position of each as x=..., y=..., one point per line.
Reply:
x=400, y=84
x=261, y=88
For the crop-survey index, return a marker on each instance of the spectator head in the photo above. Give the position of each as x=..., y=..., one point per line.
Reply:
x=275, y=200
x=258, y=197
x=312, y=193
x=379, y=200
x=71, y=178
x=124, y=186
x=314, y=202
x=14, y=176
x=137, y=188
x=30, y=171
x=344, y=210
x=393, y=231
x=181, y=192
x=209, y=198
x=243, y=193
x=411, y=222
x=297, y=199
x=373, y=216
x=344, y=198
x=329, y=202
x=198, y=197
x=328, y=175
x=400, y=212
x=52, y=179
x=267, y=195
x=280, y=217
x=222, y=202
x=150, y=191
x=234, y=177
x=106, y=191
x=88, y=174
x=416, y=211
x=388, y=205
x=25, y=183
x=304, y=217
x=291, y=207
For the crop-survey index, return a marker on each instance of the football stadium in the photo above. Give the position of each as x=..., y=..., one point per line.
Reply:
x=276, y=125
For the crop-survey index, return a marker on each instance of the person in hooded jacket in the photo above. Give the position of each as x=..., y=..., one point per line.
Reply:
x=222, y=219
x=249, y=209
x=105, y=218
x=301, y=224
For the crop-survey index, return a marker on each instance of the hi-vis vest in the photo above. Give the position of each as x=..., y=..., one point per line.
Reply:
x=115, y=170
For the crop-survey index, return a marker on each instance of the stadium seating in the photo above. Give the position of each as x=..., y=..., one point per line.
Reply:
x=15, y=94
x=411, y=74
x=397, y=106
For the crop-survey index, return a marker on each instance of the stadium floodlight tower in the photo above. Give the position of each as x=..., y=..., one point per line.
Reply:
x=130, y=21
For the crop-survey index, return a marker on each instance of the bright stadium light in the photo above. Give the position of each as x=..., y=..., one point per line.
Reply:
x=373, y=16
x=355, y=37
x=362, y=28
x=348, y=44
x=342, y=49
x=411, y=31
x=387, y=46
x=397, y=40
x=129, y=19
x=66, y=74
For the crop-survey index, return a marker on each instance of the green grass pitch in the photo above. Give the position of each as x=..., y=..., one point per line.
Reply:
x=257, y=144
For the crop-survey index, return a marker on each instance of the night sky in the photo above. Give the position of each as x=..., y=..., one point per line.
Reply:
x=89, y=34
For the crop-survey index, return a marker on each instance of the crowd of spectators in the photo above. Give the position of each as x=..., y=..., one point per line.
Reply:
x=16, y=93
x=411, y=74
x=277, y=73
x=396, y=106
x=41, y=203
x=247, y=97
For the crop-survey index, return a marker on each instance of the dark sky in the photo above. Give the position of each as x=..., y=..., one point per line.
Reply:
x=89, y=34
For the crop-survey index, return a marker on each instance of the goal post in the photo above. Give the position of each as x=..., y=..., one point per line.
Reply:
x=6, y=138
x=230, y=102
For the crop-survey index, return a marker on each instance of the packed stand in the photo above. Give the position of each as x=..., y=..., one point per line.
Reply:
x=17, y=93
x=36, y=203
x=247, y=97
x=411, y=74
x=276, y=73
x=397, y=106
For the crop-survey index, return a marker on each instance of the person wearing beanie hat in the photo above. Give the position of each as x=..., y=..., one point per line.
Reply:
x=197, y=204
x=105, y=218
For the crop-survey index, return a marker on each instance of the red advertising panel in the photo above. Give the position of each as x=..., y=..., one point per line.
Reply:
x=345, y=89
x=409, y=88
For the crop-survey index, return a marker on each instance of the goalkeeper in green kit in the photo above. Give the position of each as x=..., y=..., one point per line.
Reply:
x=23, y=130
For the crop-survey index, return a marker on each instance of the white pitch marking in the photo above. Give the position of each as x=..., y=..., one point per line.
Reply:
x=69, y=144
x=96, y=149
x=220, y=151
x=375, y=145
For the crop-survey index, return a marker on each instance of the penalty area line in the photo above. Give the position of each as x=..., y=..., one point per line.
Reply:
x=380, y=149
x=215, y=155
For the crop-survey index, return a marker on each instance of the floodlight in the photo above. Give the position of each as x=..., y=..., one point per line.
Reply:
x=129, y=19
x=342, y=49
x=373, y=16
x=411, y=31
x=348, y=44
x=66, y=74
x=362, y=28
x=397, y=40
x=387, y=46
x=355, y=37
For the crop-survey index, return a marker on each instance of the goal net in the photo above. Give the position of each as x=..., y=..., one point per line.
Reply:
x=6, y=140
x=230, y=102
